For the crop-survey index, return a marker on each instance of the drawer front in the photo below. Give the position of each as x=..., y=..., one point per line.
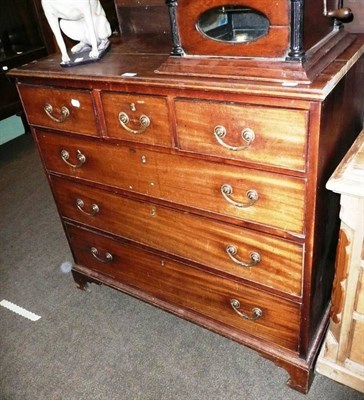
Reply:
x=259, y=258
x=260, y=135
x=189, y=288
x=356, y=353
x=359, y=307
x=69, y=110
x=137, y=118
x=245, y=194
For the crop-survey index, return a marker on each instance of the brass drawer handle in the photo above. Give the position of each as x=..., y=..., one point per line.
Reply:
x=247, y=135
x=227, y=190
x=256, y=312
x=65, y=113
x=66, y=155
x=108, y=257
x=94, y=208
x=232, y=251
x=144, y=123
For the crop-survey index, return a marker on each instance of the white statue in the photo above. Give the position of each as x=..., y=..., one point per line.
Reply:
x=81, y=20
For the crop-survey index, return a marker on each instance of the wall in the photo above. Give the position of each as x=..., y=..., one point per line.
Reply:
x=357, y=25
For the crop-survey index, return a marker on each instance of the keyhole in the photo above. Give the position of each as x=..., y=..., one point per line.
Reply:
x=132, y=107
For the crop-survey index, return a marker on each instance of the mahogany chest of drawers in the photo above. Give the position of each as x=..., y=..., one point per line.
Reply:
x=205, y=197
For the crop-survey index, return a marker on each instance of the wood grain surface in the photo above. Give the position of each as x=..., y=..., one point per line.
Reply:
x=191, y=288
x=186, y=235
x=175, y=179
x=81, y=118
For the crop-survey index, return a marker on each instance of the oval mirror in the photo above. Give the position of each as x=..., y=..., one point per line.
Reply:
x=233, y=23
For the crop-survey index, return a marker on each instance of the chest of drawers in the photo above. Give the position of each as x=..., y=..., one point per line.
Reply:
x=203, y=197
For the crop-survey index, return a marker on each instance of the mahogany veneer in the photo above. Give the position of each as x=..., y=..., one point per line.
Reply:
x=205, y=197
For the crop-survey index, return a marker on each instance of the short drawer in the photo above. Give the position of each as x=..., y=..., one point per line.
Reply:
x=238, y=252
x=263, y=135
x=269, y=317
x=241, y=193
x=64, y=109
x=137, y=118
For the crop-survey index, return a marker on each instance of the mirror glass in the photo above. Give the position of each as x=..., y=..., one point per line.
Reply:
x=232, y=23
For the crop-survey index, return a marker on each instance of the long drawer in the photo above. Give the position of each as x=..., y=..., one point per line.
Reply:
x=263, y=315
x=245, y=194
x=240, y=252
x=66, y=109
x=263, y=135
